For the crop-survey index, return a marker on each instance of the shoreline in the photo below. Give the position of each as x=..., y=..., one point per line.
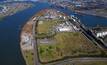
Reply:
x=100, y=12
x=90, y=13
x=21, y=33
x=24, y=30
x=13, y=10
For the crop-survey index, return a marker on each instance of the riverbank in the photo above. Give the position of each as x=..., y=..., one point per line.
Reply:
x=12, y=8
x=101, y=12
x=94, y=12
x=26, y=43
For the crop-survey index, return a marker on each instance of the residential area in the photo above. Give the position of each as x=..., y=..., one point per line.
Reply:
x=12, y=8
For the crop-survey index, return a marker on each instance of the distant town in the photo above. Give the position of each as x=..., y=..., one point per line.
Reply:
x=7, y=9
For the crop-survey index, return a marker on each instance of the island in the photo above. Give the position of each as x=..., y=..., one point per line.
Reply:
x=52, y=37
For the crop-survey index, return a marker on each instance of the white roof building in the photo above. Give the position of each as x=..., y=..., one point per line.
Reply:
x=26, y=38
x=101, y=34
x=64, y=29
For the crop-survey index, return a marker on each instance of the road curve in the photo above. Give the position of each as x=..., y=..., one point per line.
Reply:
x=35, y=48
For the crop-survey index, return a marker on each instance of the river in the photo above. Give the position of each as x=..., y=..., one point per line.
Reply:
x=10, y=28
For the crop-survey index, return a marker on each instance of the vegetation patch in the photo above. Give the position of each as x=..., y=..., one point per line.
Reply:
x=46, y=25
x=29, y=57
x=67, y=44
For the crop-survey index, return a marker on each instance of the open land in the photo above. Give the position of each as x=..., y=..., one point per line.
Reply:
x=56, y=38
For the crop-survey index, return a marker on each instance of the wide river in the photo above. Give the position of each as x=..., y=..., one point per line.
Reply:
x=10, y=29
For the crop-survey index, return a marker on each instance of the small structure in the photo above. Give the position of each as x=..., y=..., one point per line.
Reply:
x=26, y=41
x=66, y=27
x=102, y=34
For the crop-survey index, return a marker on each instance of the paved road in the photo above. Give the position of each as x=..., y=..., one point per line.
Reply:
x=73, y=60
x=35, y=48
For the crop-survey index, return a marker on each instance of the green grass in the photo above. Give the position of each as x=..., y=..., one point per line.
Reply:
x=47, y=52
x=45, y=35
x=29, y=57
x=46, y=26
x=67, y=44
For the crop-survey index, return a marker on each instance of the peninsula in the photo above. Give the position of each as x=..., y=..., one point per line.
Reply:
x=51, y=38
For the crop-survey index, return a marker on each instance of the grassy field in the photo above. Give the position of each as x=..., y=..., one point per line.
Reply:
x=28, y=55
x=46, y=25
x=67, y=44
